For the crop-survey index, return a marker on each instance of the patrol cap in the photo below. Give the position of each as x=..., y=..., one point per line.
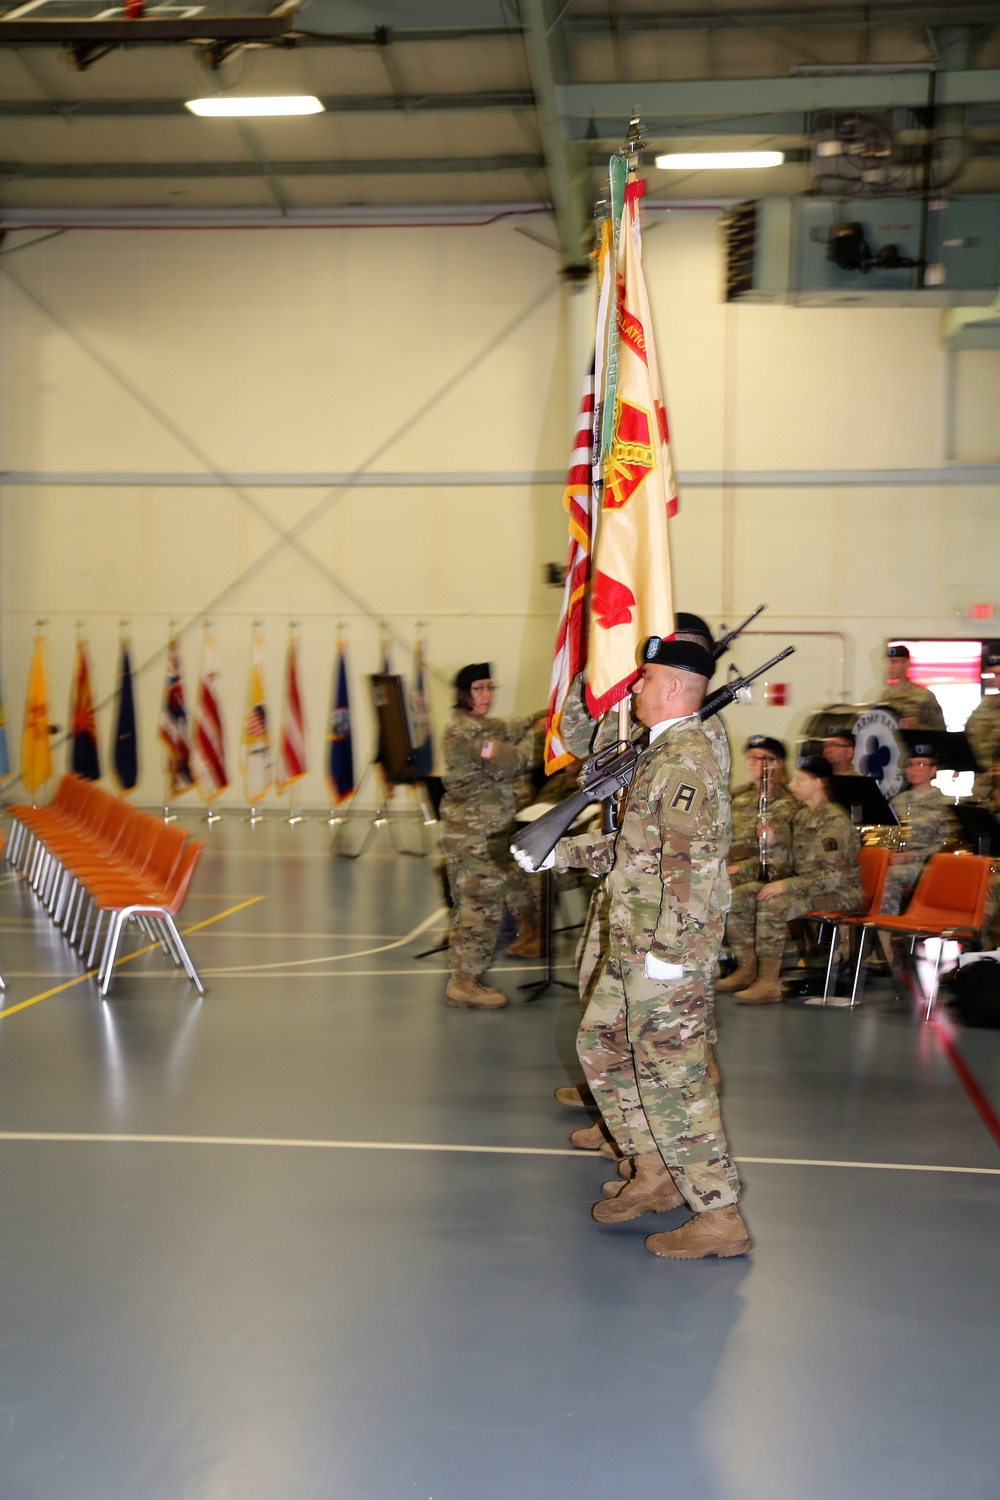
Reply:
x=837, y=732
x=768, y=743
x=815, y=765
x=477, y=671
x=688, y=656
x=952, y=752
x=898, y=651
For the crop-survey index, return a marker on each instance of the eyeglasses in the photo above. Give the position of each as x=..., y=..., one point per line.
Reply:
x=484, y=687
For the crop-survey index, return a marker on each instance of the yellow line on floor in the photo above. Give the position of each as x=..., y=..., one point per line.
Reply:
x=10, y=1010
x=88, y=1137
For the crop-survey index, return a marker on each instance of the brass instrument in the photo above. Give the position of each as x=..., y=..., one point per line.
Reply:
x=891, y=836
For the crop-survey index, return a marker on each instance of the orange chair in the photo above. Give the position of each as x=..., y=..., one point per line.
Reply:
x=874, y=866
x=157, y=908
x=948, y=902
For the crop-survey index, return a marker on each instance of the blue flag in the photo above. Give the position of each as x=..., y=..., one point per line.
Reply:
x=340, y=765
x=124, y=747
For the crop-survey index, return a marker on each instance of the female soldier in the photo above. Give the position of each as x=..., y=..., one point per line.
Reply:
x=483, y=758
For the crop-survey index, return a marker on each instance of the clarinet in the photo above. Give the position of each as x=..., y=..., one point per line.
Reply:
x=763, y=872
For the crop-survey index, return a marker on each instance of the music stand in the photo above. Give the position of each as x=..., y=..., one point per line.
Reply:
x=862, y=800
x=979, y=827
x=539, y=986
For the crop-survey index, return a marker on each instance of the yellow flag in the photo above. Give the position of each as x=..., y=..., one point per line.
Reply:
x=631, y=595
x=36, y=748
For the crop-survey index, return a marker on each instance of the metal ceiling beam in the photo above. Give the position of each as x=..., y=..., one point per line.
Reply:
x=402, y=166
x=825, y=18
x=344, y=104
x=67, y=32
x=565, y=160
x=749, y=96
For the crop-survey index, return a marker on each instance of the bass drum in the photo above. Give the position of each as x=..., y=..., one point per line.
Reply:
x=879, y=751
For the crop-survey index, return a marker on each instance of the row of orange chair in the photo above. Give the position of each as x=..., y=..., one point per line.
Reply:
x=89, y=854
x=948, y=903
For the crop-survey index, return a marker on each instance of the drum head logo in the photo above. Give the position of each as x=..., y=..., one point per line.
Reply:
x=876, y=750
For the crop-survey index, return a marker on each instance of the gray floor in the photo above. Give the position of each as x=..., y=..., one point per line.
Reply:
x=290, y=1303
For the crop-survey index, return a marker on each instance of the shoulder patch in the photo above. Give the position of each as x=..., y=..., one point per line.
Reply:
x=831, y=845
x=683, y=796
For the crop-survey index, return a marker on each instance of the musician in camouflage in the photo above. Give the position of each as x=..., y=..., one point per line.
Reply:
x=982, y=729
x=926, y=823
x=915, y=707
x=483, y=758
x=764, y=754
x=825, y=874
x=643, y=1042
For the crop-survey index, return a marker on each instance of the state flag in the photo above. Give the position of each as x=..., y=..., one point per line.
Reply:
x=84, y=759
x=173, y=730
x=208, y=749
x=36, y=747
x=340, y=759
x=293, y=727
x=256, y=757
x=125, y=745
x=423, y=744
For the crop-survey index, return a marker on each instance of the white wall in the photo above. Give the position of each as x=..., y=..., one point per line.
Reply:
x=283, y=354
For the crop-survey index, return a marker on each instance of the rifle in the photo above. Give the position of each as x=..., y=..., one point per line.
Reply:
x=723, y=644
x=604, y=775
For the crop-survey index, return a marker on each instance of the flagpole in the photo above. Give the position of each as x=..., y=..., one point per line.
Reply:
x=293, y=816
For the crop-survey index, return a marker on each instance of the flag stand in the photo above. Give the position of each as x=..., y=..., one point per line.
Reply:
x=168, y=816
x=253, y=816
x=211, y=816
x=293, y=816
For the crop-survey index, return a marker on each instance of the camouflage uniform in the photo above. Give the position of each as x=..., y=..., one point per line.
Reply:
x=927, y=816
x=745, y=853
x=477, y=817
x=908, y=699
x=982, y=730
x=825, y=873
x=643, y=1042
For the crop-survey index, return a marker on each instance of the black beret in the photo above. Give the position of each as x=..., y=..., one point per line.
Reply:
x=687, y=655
x=835, y=732
x=477, y=671
x=692, y=625
x=768, y=743
x=815, y=765
x=898, y=651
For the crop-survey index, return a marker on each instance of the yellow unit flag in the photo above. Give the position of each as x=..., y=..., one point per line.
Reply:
x=36, y=747
x=631, y=594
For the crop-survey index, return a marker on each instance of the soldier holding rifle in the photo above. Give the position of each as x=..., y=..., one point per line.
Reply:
x=643, y=1046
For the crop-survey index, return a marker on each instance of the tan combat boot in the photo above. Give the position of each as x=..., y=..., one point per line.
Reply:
x=528, y=943
x=465, y=990
x=650, y=1191
x=577, y=1096
x=594, y=1138
x=744, y=973
x=767, y=988
x=718, y=1231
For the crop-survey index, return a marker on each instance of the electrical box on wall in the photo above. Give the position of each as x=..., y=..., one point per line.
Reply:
x=888, y=251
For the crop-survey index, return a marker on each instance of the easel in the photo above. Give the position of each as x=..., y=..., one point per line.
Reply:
x=385, y=815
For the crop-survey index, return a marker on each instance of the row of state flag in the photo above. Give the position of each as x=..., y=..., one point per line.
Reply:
x=194, y=749
x=620, y=489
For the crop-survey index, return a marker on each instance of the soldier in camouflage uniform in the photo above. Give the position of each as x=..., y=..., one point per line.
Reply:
x=825, y=873
x=763, y=753
x=643, y=1043
x=839, y=746
x=926, y=824
x=982, y=730
x=914, y=706
x=482, y=760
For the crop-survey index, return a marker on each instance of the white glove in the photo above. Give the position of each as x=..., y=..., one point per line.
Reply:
x=655, y=968
x=527, y=863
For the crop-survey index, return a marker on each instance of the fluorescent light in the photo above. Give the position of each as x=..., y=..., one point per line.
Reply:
x=718, y=161
x=264, y=104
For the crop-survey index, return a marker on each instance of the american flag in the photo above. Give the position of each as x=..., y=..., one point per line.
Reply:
x=173, y=731
x=571, y=638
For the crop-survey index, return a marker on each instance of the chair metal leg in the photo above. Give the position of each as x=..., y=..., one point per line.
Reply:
x=115, y=930
x=97, y=932
x=859, y=967
x=192, y=972
x=835, y=933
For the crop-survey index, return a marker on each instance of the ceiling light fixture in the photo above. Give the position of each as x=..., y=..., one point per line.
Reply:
x=265, y=104
x=718, y=161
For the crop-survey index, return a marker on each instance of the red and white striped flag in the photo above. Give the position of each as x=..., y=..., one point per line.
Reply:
x=293, y=729
x=208, y=748
x=631, y=597
x=571, y=637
